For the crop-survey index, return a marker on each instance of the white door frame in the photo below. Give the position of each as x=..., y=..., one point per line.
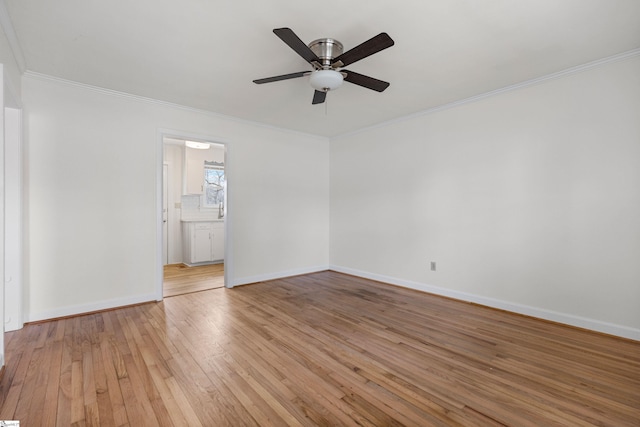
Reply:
x=228, y=252
x=165, y=213
x=13, y=226
x=11, y=223
x=13, y=217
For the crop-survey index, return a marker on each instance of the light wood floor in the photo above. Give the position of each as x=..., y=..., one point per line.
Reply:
x=180, y=279
x=321, y=349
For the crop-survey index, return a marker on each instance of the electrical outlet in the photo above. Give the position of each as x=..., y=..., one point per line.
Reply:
x=433, y=266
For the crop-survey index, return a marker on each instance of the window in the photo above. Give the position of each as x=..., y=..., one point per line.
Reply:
x=214, y=185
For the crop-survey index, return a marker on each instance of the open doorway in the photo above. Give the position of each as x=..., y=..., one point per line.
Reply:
x=194, y=214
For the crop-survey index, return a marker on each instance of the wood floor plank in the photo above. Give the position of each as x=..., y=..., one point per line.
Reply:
x=318, y=349
x=111, y=368
x=63, y=407
x=9, y=394
x=209, y=398
x=103, y=397
x=13, y=381
x=77, y=395
x=180, y=279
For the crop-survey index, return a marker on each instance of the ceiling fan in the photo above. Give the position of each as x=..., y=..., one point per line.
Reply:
x=327, y=58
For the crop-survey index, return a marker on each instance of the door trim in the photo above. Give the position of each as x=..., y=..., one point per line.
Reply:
x=13, y=317
x=163, y=133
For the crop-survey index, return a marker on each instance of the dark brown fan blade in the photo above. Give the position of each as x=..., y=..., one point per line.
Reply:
x=371, y=46
x=282, y=77
x=293, y=41
x=319, y=97
x=365, y=81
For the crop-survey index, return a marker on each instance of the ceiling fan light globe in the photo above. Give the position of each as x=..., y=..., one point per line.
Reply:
x=325, y=80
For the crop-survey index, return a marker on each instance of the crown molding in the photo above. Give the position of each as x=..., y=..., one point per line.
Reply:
x=96, y=89
x=573, y=70
x=12, y=38
x=569, y=71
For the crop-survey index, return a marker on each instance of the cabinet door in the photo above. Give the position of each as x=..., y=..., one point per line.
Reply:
x=218, y=242
x=195, y=176
x=201, y=243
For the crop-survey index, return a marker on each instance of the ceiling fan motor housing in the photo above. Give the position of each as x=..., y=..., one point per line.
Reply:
x=327, y=78
x=326, y=50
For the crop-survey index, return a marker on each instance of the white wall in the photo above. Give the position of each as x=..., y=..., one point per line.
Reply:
x=528, y=200
x=92, y=217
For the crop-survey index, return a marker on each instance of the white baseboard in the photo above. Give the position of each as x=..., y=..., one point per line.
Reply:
x=541, y=313
x=277, y=275
x=122, y=302
x=80, y=309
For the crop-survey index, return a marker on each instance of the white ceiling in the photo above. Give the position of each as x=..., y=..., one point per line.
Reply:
x=205, y=54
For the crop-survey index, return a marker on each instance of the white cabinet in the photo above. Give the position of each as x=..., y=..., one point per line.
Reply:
x=194, y=176
x=218, y=241
x=203, y=242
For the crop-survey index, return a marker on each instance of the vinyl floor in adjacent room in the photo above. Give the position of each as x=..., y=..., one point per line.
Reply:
x=323, y=349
